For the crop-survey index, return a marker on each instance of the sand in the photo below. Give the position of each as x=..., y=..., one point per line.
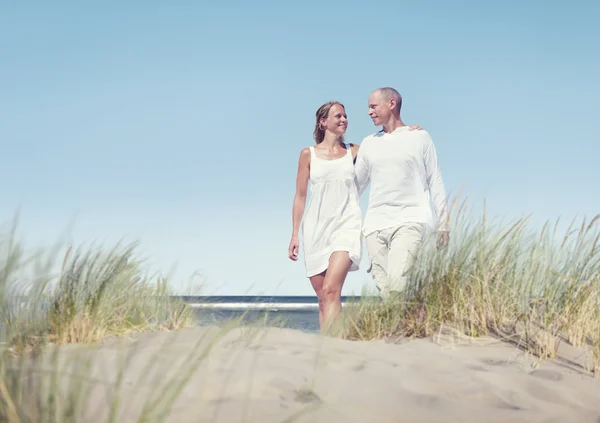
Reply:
x=289, y=376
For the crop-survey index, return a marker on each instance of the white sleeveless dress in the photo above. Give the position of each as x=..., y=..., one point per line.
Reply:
x=333, y=219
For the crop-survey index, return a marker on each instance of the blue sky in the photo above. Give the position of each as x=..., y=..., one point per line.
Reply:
x=179, y=124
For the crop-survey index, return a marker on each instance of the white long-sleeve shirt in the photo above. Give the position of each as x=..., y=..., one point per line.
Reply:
x=404, y=174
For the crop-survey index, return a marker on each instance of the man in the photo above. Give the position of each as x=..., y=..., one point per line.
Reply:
x=402, y=167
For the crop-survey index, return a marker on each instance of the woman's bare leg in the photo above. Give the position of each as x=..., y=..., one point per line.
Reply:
x=317, y=284
x=339, y=265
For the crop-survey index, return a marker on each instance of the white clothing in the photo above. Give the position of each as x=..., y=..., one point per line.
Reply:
x=333, y=218
x=404, y=174
x=392, y=252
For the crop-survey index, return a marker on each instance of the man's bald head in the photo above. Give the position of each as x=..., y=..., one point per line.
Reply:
x=384, y=108
x=388, y=93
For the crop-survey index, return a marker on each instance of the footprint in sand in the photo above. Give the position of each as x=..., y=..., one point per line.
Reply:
x=360, y=366
x=427, y=401
x=536, y=390
x=307, y=396
x=259, y=347
x=477, y=368
x=497, y=401
x=493, y=362
x=547, y=375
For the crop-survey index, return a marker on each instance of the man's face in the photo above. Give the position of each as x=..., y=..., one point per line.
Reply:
x=379, y=111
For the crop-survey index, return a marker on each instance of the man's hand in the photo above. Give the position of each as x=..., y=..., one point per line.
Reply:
x=414, y=128
x=293, y=249
x=443, y=239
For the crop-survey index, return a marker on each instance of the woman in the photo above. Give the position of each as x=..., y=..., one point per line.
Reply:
x=331, y=230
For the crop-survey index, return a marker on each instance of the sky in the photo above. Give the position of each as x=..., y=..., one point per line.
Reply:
x=179, y=125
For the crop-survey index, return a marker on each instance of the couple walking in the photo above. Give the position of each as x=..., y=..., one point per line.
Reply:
x=400, y=163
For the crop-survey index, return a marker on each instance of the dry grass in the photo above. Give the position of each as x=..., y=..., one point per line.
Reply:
x=71, y=385
x=503, y=279
x=97, y=293
x=101, y=294
x=534, y=286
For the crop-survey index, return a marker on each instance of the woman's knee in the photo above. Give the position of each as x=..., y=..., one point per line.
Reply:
x=330, y=293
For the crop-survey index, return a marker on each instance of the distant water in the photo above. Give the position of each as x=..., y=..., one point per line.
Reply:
x=295, y=312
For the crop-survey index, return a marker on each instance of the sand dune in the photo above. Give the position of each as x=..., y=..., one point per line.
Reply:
x=290, y=376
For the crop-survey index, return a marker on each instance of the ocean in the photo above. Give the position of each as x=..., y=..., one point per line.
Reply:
x=295, y=312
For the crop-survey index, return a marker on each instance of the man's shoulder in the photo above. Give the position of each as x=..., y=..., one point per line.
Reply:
x=412, y=133
x=421, y=136
x=369, y=138
x=423, y=133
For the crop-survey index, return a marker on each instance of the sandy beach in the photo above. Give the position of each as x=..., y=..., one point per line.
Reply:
x=281, y=375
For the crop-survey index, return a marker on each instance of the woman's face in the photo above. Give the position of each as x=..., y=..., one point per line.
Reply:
x=336, y=121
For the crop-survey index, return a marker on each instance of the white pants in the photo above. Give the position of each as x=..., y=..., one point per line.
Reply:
x=391, y=252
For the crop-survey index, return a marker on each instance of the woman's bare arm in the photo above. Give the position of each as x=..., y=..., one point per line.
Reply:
x=299, y=199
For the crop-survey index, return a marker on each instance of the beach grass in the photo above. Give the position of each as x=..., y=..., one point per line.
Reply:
x=78, y=384
x=83, y=297
x=534, y=287
x=97, y=293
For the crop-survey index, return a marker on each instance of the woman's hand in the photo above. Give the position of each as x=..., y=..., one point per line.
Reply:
x=293, y=249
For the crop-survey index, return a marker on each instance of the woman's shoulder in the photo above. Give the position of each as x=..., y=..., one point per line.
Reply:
x=305, y=154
